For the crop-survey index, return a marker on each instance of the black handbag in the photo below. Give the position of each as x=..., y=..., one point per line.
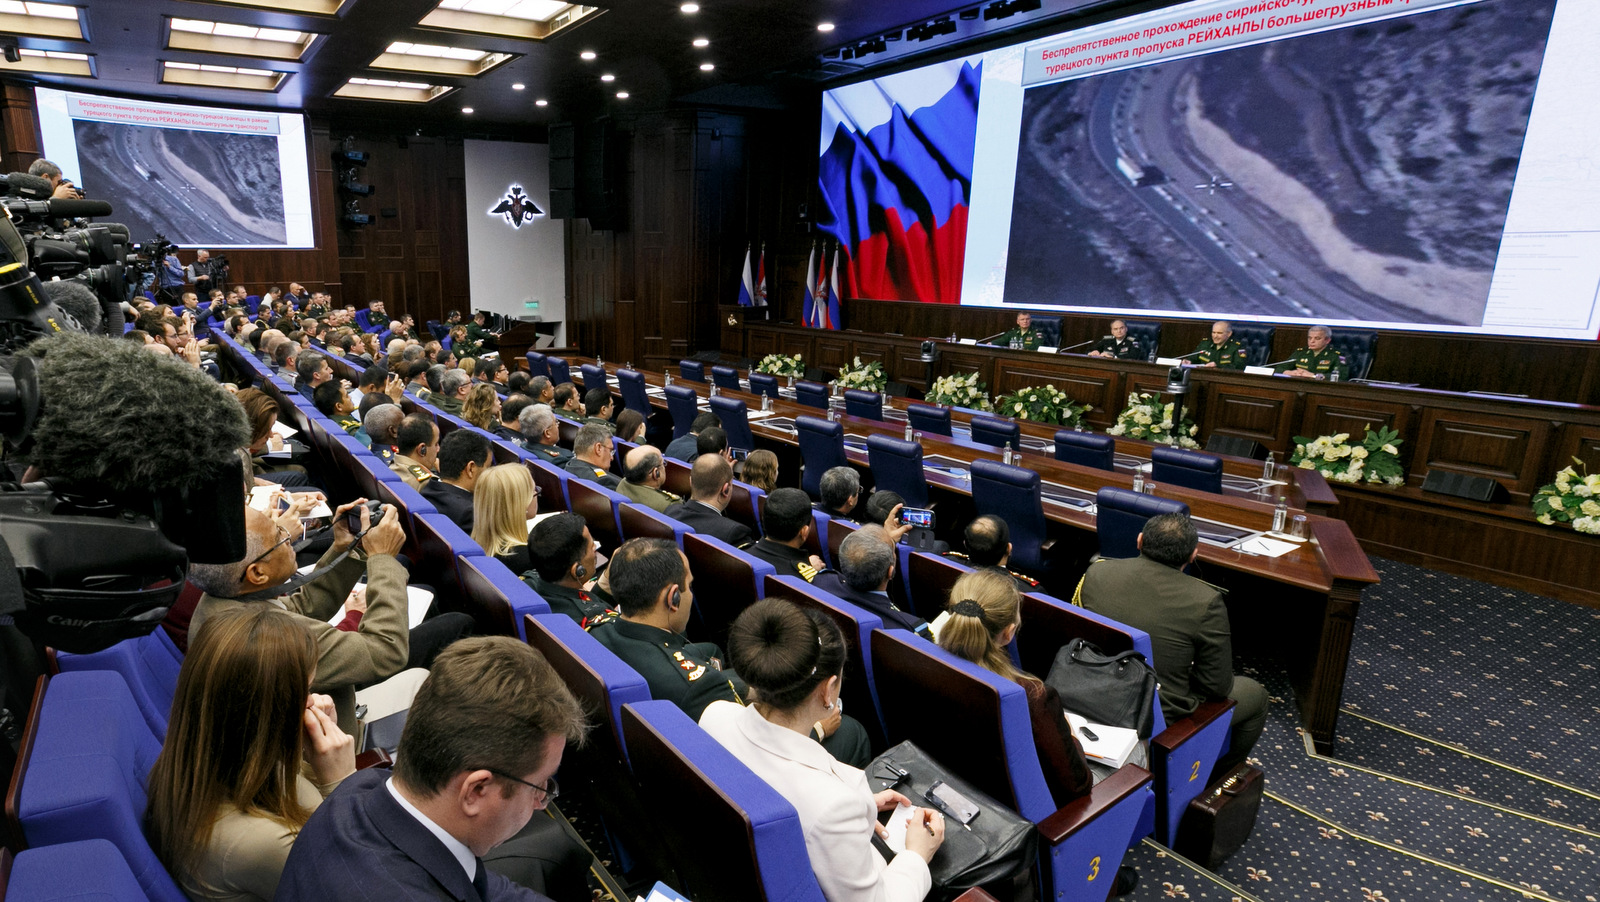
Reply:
x=1116, y=690
x=1001, y=845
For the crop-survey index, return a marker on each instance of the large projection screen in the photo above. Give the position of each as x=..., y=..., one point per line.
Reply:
x=199, y=176
x=1430, y=165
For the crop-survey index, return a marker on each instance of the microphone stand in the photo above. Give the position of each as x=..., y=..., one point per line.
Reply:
x=1077, y=346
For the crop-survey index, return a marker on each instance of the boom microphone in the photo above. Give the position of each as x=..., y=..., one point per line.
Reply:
x=71, y=208
x=21, y=184
x=75, y=298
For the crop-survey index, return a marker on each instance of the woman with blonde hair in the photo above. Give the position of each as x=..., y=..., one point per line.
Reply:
x=761, y=470
x=482, y=407
x=985, y=613
x=503, y=501
x=230, y=790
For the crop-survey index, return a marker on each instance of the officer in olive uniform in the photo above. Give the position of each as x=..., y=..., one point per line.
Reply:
x=1023, y=335
x=554, y=454
x=414, y=473
x=1318, y=359
x=1118, y=344
x=376, y=318
x=1221, y=350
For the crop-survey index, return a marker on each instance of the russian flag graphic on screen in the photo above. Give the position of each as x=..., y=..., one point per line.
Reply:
x=896, y=180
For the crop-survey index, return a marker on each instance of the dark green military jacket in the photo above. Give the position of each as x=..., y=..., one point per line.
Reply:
x=585, y=470
x=688, y=674
x=1229, y=355
x=1320, y=362
x=553, y=453
x=1031, y=338
x=586, y=609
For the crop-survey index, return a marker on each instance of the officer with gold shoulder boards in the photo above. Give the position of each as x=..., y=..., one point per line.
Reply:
x=591, y=456
x=1023, y=335
x=1221, y=350
x=418, y=441
x=1318, y=359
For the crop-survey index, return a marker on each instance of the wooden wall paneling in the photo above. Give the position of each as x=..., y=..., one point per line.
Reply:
x=1011, y=375
x=868, y=350
x=1097, y=388
x=19, y=128
x=908, y=367
x=1580, y=441
x=1265, y=415
x=1507, y=449
x=830, y=351
x=760, y=344
x=805, y=345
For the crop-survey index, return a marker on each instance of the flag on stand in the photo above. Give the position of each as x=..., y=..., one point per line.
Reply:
x=761, y=277
x=747, y=286
x=835, y=288
x=822, y=307
x=808, y=311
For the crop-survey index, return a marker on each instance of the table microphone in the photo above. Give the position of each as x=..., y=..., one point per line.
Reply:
x=1279, y=362
x=984, y=341
x=1079, y=345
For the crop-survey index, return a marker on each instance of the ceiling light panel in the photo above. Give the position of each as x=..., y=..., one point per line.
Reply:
x=437, y=59
x=313, y=7
x=205, y=36
x=51, y=62
x=206, y=75
x=45, y=20
x=524, y=19
x=391, y=90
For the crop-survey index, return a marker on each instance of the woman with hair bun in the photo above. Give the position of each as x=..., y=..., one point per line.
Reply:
x=985, y=614
x=794, y=660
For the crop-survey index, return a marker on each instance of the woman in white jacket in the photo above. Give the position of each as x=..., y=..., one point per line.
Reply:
x=794, y=659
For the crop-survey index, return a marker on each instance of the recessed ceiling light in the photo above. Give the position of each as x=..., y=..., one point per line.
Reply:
x=467, y=110
x=608, y=77
x=206, y=36
x=824, y=26
x=587, y=54
x=622, y=95
x=706, y=67
x=522, y=19
x=518, y=86
x=690, y=7
x=541, y=102
x=702, y=42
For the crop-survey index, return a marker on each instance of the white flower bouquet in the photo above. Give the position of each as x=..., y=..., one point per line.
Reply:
x=1147, y=418
x=1573, y=498
x=782, y=365
x=865, y=376
x=1041, y=404
x=960, y=391
x=1376, y=459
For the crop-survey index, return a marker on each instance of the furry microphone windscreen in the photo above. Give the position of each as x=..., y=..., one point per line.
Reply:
x=77, y=299
x=117, y=417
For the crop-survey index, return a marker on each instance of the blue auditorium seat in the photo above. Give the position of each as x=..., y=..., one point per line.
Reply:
x=684, y=405
x=693, y=370
x=1013, y=495
x=726, y=377
x=1257, y=342
x=897, y=467
x=1191, y=469
x=1359, y=347
x=88, y=871
x=764, y=384
x=857, y=623
x=634, y=395
x=865, y=404
x=1148, y=335
x=640, y=522
x=558, y=369
x=811, y=394
x=1086, y=449
x=735, y=418
x=1121, y=518
x=593, y=376
x=996, y=432
x=930, y=419
x=496, y=598
x=537, y=365
x=733, y=581
x=821, y=449
x=148, y=664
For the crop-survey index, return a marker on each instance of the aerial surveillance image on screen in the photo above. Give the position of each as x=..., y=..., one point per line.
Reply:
x=1357, y=173
x=194, y=187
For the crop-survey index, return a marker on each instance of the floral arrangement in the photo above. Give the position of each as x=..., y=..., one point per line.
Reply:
x=782, y=365
x=865, y=376
x=1147, y=418
x=1376, y=459
x=960, y=391
x=1573, y=498
x=1042, y=404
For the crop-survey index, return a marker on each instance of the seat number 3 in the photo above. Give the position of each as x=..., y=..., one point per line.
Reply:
x=1094, y=868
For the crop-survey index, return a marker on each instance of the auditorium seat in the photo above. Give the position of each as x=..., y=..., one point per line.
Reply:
x=679, y=477
x=436, y=329
x=976, y=723
x=1013, y=495
x=81, y=773
x=1190, y=469
x=996, y=432
x=88, y=871
x=148, y=664
x=857, y=624
x=746, y=842
x=552, y=484
x=1086, y=449
x=409, y=504
x=817, y=540
x=598, y=507
x=558, y=369
x=735, y=417
x=865, y=404
x=897, y=467
x=684, y=405
x=838, y=531
x=1147, y=334
x=593, y=377
x=537, y=365
x=928, y=418
x=1257, y=342
x=727, y=581
x=764, y=384
x=693, y=370
x=726, y=377
x=1182, y=754
x=634, y=396
x=1121, y=515
x=744, y=506
x=1359, y=348
x=440, y=543
x=811, y=394
x=640, y=522
x=496, y=598
x=821, y=449
x=363, y=321
x=929, y=578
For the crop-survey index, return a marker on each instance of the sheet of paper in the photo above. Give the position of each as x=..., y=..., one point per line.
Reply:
x=899, y=821
x=1113, y=746
x=284, y=429
x=663, y=893
x=1265, y=547
x=417, y=599
x=1168, y=361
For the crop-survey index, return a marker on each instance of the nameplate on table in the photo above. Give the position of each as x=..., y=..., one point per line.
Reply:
x=1046, y=349
x=967, y=341
x=1168, y=361
x=1260, y=371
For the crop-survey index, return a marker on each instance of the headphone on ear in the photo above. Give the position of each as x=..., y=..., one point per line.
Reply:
x=579, y=571
x=675, y=599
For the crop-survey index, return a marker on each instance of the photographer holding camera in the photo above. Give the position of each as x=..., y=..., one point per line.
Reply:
x=207, y=273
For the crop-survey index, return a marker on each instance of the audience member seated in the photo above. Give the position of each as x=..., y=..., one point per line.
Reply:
x=591, y=455
x=795, y=660
x=482, y=407
x=517, y=383
x=540, y=432
x=230, y=789
x=567, y=401
x=884, y=507
x=382, y=425
x=494, y=374
x=644, y=475
x=685, y=446
x=711, y=484
x=503, y=502
x=541, y=390
x=510, y=412
x=452, y=393
x=378, y=649
x=988, y=541
x=840, y=489
x=985, y=612
x=418, y=441
x=334, y=403
x=598, y=407
x=311, y=370
x=463, y=456
x=476, y=762
x=713, y=440
x=261, y=412
x=786, y=522
x=867, y=563
x=630, y=426
x=1188, y=626
x=761, y=470
x=564, y=564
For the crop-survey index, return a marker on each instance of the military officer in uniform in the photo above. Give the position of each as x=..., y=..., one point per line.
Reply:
x=988, y=542
x=377, y=320
x=1318, y=359
x=591, y=456
x=418, y=441
x=646, y=472
x=1118, y=344
x=1023, y=335
x=382, y=425
x=540, y=434
x=1221, y=350
x=564, y=563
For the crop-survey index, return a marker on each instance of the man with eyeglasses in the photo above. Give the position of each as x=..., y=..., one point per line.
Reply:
x=476, y=761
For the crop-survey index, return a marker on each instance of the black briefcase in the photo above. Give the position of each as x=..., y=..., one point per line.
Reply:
x=1219, y=820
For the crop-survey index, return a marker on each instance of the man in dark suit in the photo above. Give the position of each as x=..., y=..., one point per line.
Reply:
x=683, y=447
x=1188, y=626
x=422, y=833
x=463, y=456
x=711, y=487
x=866, y=565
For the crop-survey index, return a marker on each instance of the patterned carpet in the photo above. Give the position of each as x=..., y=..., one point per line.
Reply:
x=1464, y=770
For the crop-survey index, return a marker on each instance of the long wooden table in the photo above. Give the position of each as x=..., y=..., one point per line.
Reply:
x=1299, y=608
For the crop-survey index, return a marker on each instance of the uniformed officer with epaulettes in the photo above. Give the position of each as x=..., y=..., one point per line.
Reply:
x=1119, y=344
x=419, y=438
x=1221, y=350
x=1022, y=336
x=1318, y=359
x=569, y=563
